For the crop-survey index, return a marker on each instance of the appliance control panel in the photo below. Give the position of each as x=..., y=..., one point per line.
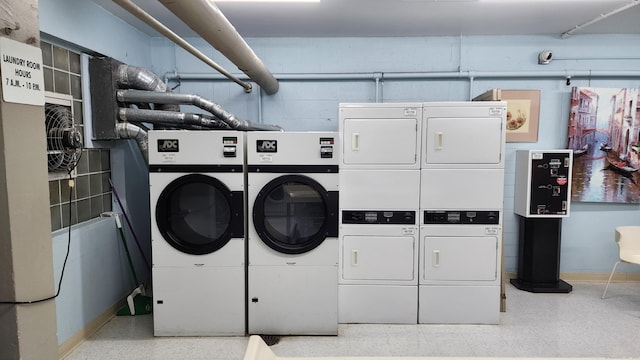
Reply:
x=458, y=217
x=378, y=217
x=550, y=186
x=326, y=147
x=543, y=183
x=229, y=146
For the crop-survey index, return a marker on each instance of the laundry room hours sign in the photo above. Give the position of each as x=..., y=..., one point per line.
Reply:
x=22, y=75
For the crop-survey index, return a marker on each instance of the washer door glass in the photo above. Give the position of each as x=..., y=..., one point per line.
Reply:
x=194, y=214
x=291, y=214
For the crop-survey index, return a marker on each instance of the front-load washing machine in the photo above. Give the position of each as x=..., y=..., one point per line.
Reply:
x=292, y=233
x=198, y=245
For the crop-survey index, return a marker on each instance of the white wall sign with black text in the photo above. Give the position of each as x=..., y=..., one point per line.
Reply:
x=22, y=74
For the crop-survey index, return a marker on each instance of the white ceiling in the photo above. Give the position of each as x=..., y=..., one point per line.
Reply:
x=343, y=18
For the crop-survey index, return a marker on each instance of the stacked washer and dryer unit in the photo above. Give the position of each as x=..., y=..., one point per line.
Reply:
x=461, y=203
x=379, y=203
x=197, y=195
x=421, y=212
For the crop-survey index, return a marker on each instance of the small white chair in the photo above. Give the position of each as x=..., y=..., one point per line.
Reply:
x=628, y=240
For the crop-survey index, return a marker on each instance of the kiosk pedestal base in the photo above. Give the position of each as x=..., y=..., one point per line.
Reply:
x=559, y=287
x=539, y=256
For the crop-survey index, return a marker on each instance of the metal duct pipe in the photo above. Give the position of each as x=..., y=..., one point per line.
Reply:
x=159, y=27
x=426, y=75
x=204, y=17
x=134, y=77
x=170, y=118
x=136, y=96
x=130, y=131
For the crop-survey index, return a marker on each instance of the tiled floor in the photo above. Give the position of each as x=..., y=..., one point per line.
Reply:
x=578, y=324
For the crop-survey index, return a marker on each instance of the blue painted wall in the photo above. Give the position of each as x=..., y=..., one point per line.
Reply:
x=84, y=24
x=97, y=273
x=474, y=64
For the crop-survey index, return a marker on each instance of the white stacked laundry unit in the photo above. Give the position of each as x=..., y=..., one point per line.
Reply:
x=461, y=205
x=379, y=187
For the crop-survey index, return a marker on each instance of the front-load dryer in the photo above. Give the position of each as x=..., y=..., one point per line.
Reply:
x=292, y=233
x=461, y=210
x=198, y=245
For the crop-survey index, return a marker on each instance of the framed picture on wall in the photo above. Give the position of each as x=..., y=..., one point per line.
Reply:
x=604, y=134
x=523, y=111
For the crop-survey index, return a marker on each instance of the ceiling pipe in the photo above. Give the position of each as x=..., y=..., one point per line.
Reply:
x=427, y=75
x=204, y=17
x=545, y=57
x=570, y=32
x=159, y=27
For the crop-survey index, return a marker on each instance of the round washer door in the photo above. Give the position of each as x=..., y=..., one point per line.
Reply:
x=293, y=214
x=198, y=214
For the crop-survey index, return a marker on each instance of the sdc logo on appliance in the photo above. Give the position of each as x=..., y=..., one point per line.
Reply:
x=267, y=146
x=168, y=145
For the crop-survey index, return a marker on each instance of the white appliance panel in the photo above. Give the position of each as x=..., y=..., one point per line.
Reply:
x=198, y=301
x=163, y=254
x=195, y=147
x=400, y=240
x=455, y=258
x=492, y=230
x=292, y=148
x=466, y=189
x=455, y=140
x=379, y=189
x=377, y=304
x=326, y=254
x=276, y=309
x=380, y=141
x=378, y=258
x=459, y=304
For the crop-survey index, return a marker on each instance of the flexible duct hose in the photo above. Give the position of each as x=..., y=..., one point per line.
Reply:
x=134, y=77
x=136, y=96
x=130, y=131
x=170, y=117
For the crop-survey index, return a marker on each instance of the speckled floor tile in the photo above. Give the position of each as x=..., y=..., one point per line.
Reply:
x=578, y=324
